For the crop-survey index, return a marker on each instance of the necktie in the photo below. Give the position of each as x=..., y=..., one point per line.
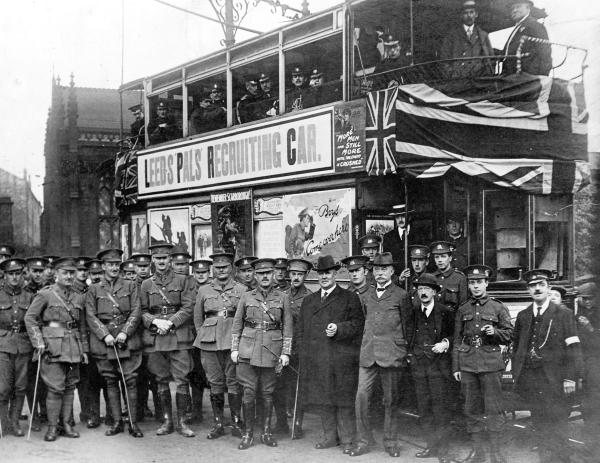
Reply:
x=469, y=33
x=323, y=297
x=538, y=311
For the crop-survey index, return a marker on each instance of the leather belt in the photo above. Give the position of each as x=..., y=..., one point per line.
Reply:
x=265, y=326
x=70, y=325
x=115, y=320
x=225, y=313
x=19, y=328
x=476, y=341
x=164, y=310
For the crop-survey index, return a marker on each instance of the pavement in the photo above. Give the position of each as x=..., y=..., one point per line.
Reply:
x=94, y=447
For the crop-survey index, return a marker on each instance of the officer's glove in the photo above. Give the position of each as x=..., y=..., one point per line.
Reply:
x=234, y=356
x=284, y=360
x=109, y=340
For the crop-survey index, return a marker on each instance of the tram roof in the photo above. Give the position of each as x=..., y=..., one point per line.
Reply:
x=431, y=15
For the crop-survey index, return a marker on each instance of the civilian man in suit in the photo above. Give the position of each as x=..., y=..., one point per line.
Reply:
x=329, y=332
x=482, y=324
x=382, y=354
x=546, y=365
x=467, y=40
x=429, y=332
x=395, y=241
x=539, y=59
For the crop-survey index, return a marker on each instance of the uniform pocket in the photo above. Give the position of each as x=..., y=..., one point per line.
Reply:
x=53, y=337
x=246, y=344
x=208, y=330
x=277, y=344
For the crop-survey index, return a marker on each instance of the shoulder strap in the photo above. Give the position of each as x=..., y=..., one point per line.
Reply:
x=63, y=303
x=162, y=294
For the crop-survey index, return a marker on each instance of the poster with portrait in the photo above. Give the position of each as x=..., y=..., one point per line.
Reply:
x=231, y=214
x=202, y=241
x=171, y=225
x=318, y=223
x=139, y=233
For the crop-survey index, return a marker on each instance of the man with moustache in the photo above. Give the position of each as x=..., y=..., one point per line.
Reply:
x=15, y=347
x=547, y=365
x=245, y=272
x=56, y=326
x=95, y=270
x=113, y=315
x=430, y=329
x=396, y=240
x=383, y=354
x=482, y=325
x=167, y=310
x=261, y=340
x=286, y=387
x=216, y=304
x=357, y=269
x=329, y=332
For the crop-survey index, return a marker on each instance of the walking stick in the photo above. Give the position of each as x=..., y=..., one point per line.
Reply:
x=34, y=404
x=124, y=384
x=295, y=406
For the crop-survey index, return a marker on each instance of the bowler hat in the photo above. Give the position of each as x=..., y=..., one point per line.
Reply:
x=383, y=259
x=325, y=263
x=427, y=279
x=561, y=289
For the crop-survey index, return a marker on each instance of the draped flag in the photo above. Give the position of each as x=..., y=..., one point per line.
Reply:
x=519, y=131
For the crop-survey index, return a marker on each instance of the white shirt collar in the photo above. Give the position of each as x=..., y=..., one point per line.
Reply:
x=543, y=309
x=325, y=293
x=468, y=28
x=428, y=308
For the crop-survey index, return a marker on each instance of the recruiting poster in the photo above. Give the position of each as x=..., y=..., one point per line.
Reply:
x=202, y=241
x=171, y=225
x=139, y=233
x=232, y=222
x=318, y=223
x=349, y=136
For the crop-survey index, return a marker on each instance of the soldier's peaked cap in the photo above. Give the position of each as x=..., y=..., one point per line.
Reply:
x=82, y=262
x=441, y=247
x=141, y=259
x=370, y=240
x=418, y=251
x=160, y=249
x=221, y=258
x=265, y=264
x=7, y=250
x=281, y=262
x=355, y=262
x=110, y=255
x=201, y=264
x=127, y=266
x=37, y=262
x=65, y=263
x=299, y=265
x=95, y=266
x=245, y=262
x=474, y=272
x=12, y=264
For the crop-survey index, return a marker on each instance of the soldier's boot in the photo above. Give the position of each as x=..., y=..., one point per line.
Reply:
x=183, y=403
x=16, y=405
x=298, y=432
x=495, y=453
x=477, y=453
x=109, y=420
x=164, y=397
x=156, y=399
x=132, y=395
x=249, y=417
x=53, y=408
x=67, y=415
x=266, y=436
x=280, y=406
x=235, y=407
x=197, y=396
x=114, y=404
x=35, y=423
x=217, y=402
x=4, y=423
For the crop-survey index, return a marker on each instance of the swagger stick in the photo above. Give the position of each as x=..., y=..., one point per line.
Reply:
x=34, y=403
x=295, y=406
x=124, y=385
x=277, y=357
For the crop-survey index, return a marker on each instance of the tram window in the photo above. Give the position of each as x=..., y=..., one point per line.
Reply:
x=505, y=233
x=552, y=234
x=255, y=90
x=208, y=105
x=314, y=74
x=166, y=117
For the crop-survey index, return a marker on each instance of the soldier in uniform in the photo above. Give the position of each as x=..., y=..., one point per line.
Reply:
x=56, y=326
x=430, y=330
x=547, y=365
x=261, y=341
x=210, y=114
x=388, y=72
x=456, y=236
x=36, y=267
x=127, y=270
x=180, y=262
x=215, y=307
x=281, y=274
x=298, y=269
x=269, y=99
x=15, y=347
x=49, y=270
x=90, y=381
x=163, y=127
x=357, y=269
x=95, y=270
x=482, y=325
x=419, y=258
x=145, y=380
x=245, y=272
x=383, y=354
x=167, y=308
x=6, y=252
x=136, y=129
x=294, y=100
x=453, y=282
x=113, y=315
x=248, y=108
x=370, y=246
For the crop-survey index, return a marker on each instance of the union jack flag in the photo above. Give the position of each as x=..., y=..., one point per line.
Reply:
x=380, y=132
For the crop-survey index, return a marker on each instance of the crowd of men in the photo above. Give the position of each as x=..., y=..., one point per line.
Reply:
x=254, y=334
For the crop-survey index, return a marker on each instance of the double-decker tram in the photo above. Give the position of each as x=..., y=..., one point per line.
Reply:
x=300, y=141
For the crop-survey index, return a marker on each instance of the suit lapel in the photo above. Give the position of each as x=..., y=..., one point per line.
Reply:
x=437, y=320
x=527, y=320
